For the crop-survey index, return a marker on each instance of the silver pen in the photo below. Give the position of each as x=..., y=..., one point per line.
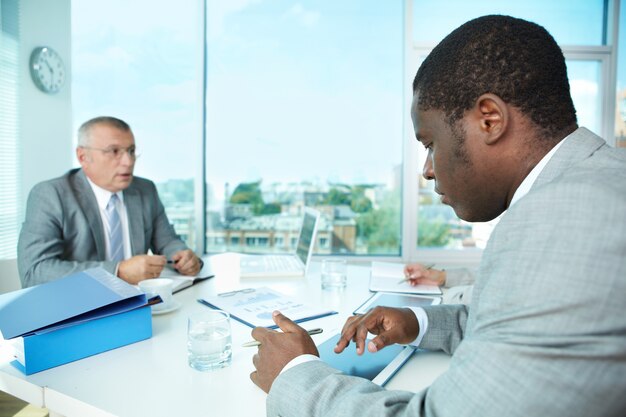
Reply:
x=253, y=343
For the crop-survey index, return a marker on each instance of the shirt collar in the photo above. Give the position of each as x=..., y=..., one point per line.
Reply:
x=530, y=179
x=103, y=196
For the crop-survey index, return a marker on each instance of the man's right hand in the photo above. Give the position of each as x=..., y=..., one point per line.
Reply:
x=391, y=325
x=141, y=267
x=419, y=274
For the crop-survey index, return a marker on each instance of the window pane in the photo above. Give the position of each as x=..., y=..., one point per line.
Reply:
x=585, y=85
x=438, y=225
x=620, y=117
x=139, y=61
x=304, y=108
x=10, y=190
x=571, y=22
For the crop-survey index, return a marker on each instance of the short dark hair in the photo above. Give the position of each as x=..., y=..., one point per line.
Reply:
x=517, y=60
x=84, y=129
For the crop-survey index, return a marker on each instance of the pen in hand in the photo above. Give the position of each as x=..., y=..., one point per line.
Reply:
x=253, y=343
x=408, y=278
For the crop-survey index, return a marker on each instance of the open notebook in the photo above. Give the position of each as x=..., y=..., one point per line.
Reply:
x=294, y=264
x=185, y=281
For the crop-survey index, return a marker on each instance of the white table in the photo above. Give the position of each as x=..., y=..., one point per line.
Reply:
x=152, y=378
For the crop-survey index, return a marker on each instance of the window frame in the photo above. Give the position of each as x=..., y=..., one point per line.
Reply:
x=606, y=55
x=409, y=251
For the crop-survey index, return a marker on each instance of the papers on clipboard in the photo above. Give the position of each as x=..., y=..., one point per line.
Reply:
x=254, y=306
x=386, y=276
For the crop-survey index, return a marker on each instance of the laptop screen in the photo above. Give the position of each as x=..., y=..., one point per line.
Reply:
x=306, y=236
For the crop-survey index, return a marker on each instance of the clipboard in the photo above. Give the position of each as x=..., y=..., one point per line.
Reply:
x=389, y=299
x=378, y=367
x=254, y=306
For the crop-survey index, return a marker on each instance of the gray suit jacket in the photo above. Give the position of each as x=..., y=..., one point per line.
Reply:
x=63, y=232
x=545, y=333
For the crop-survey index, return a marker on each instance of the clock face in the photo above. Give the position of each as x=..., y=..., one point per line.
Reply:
x=47, y=69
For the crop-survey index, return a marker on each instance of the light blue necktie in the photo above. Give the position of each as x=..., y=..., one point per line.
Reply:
x=116, y=244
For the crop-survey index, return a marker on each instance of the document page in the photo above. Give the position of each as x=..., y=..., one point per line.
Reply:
x=254, y=306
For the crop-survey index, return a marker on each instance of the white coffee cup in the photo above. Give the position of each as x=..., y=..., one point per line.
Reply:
x=158, y=286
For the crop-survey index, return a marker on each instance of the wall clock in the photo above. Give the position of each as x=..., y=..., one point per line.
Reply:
x=47, y=69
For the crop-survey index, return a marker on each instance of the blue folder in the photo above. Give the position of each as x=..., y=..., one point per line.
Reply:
x=73, y=317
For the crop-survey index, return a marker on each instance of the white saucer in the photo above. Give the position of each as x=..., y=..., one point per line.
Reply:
x=174, y=305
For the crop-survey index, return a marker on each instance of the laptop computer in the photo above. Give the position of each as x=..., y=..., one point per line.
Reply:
x=294, y=264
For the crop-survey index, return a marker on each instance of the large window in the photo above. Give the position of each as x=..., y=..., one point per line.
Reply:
x=587, y=64
x=305, y=108
x=620, y=114
x=140, y=61
x=245, y=112
x=10, y=196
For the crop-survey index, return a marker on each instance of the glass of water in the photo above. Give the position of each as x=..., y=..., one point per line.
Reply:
x=209, y=343
x=334, y=273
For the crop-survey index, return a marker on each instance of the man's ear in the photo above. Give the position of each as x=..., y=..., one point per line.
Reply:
x=493, y=116
x=82, y=156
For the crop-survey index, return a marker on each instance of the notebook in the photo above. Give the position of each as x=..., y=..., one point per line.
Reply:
x=389, y=299
x=378, y=367
x=185, y=281
x=294, y=264
x=389, y=277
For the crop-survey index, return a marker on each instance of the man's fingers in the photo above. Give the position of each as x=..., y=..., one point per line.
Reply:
x=342, y=343
x=360, y=337
x=285, y=324
x=260, y=333
x=347, y=333
x=254, y=376
x=378, y=343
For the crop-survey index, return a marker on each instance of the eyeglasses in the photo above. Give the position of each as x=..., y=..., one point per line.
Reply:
x=116, y=152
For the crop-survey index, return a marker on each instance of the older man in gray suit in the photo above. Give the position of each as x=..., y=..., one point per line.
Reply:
x=99, y=215
x=545, y=333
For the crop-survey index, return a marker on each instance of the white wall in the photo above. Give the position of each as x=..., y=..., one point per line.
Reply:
x=45, y=120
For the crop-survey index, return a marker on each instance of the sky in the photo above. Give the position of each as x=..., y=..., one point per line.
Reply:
x=297, y=90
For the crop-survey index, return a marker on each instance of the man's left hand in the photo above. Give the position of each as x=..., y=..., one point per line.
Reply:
x=278, y=349
x=186, y=262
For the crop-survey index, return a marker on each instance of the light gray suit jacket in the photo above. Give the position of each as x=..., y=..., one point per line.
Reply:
x=63, y=232
x=545, y=333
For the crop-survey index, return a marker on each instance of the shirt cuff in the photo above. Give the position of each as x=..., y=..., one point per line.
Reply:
x=298, y=360
x=422, y=320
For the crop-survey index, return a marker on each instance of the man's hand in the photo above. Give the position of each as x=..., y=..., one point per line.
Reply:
x=186, y=262
x=419, y=274
x=141, y=267
x=391, y=325
x=277, y=349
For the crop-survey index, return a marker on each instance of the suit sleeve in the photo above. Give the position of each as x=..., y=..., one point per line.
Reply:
x=546, y=335
x=164, y=239
x=43, y=249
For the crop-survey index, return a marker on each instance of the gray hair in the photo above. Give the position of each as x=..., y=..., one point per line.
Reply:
x=84, y=130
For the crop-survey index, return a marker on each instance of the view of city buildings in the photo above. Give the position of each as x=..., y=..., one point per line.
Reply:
x=355, y=219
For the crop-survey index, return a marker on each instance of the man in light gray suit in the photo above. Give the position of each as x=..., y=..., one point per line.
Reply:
x=99, y=215
x=545, y=332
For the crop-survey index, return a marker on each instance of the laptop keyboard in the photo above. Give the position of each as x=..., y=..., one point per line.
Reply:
x=281, y=263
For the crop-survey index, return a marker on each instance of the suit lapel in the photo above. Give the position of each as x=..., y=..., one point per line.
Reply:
x=133, y=203
x=87, y=202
